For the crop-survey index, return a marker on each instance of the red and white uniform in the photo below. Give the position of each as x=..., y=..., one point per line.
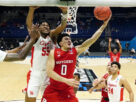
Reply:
x=65, y=63
x=115, y=91
x=38, y=77
x=104, y=94
x=114, y=57
x=2, y=55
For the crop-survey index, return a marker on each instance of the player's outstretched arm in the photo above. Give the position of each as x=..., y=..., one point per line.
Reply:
x=30, y=16
x=15, y=50
x=63, y=24
x=98, y=84
x=52, y=74
x=126, y=85
x=23, y=53
x=120, y=47
x=85, y=45
x=109, y=45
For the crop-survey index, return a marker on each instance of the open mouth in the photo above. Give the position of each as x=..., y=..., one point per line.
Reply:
x=69, y=44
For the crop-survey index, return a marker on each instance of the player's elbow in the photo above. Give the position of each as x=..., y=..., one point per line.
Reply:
x=48, y=72
x=21, y=57
x=131, y=92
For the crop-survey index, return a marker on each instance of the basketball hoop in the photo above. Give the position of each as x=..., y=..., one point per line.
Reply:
x=71, y=21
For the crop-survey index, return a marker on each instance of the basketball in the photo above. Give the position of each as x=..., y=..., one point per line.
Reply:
x=102, y=13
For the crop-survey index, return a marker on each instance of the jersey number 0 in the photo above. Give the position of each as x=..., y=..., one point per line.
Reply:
x=63, y=69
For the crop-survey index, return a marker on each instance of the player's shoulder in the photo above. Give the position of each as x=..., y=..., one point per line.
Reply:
x=122, y=79
x=119, y=53
x=110, y=52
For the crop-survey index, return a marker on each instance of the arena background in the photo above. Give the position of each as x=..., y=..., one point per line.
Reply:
x=13, y=32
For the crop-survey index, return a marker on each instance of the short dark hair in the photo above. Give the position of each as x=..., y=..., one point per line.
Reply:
x=114, y=49
x=43, y=20
x=59, y=38
x=77, y=75
x=117, y=63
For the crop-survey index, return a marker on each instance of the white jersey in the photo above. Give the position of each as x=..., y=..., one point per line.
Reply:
x=2, y=55
x=40, y=53
x=38, y=77
x=115, y=91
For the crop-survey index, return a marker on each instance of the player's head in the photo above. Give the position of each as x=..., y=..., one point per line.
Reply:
x=115, y=67
x=109, y=68
x=44, y=27
x=115, y=50
x=64, y=41
x=77, y=76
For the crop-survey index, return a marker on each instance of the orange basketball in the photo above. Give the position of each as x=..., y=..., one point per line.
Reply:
x=102, y=12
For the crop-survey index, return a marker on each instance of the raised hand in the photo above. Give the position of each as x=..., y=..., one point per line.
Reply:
x=34, y=7
x=64, y=9
x=34, y=32
x=110, y=39
x=117, y=40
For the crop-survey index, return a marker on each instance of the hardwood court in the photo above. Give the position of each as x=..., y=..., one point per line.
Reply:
x=13, y=78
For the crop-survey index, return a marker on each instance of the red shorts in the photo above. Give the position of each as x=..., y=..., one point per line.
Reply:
x=52, y=95
x=105, y=99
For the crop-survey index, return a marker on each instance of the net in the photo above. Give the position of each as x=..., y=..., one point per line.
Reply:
x=71, y=21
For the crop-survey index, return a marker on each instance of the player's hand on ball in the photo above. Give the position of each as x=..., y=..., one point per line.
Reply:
x=106, y=21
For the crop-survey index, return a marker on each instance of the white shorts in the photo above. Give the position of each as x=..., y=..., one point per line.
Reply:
x=38, y=81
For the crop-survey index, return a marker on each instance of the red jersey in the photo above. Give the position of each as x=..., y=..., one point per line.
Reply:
x=65, y=63
x=114, y=57
x=104, y=90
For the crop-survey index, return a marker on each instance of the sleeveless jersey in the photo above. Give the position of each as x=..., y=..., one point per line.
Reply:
x=65, y=63
x=114, y=57
x=40, y=53
x=115, y=92
x=2, y=55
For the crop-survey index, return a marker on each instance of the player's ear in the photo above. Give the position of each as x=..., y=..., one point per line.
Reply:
x=60, y=43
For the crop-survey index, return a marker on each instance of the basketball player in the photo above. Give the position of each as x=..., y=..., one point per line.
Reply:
x=36, y=77
x=116, y=84
x=97, y=85
x=115, y=55
x=61, y=65
x=14, y=55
